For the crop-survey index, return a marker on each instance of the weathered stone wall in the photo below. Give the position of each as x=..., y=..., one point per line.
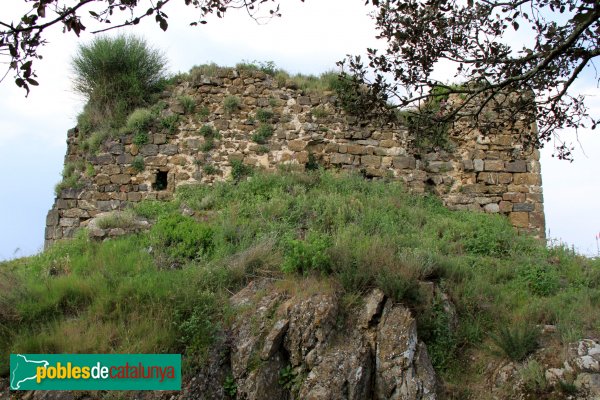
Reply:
x=488, y=173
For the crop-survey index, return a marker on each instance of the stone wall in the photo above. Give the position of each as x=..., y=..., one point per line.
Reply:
x=489, y=173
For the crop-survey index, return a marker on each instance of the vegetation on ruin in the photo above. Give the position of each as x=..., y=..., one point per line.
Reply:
x=167, y=290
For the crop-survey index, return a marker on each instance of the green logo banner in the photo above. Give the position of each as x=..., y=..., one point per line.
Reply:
x=95, y=371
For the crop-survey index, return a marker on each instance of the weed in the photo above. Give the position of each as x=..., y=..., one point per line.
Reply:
x=262, y=149
x=71, y=177
x=95, y=140
x=231, y=104
x=139, y=121
x=117, y=219
x=518, y=341
x=310, y=254
x=90, y=171
x=287, y=377
x=229, y=386
x=170, y=123
x=436, y=330
x=210, y=169
x=196, y=326
x=319, y=112
x=567, y=387
x=141, y=138
x=208, y=132
x=71, y=182
x=138, y=164
x=203, y=114
x=188, y=103
x=268, y=67
x=84, y=123
x=264, y=115
x=262, y=134
x=542, y=279
x=181, y=237
x=312, y=164
x=117, y=75
x=239, y=170
x=209, y=70
x=153, y=208
x=208, y=145
x=534, y=379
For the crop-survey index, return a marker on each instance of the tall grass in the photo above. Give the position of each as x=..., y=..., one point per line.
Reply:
x=358, y=234
x=116, y=75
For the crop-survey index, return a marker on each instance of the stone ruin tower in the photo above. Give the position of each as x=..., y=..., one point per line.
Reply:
x=487, y=173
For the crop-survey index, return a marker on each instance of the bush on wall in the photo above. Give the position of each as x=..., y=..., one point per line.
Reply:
x=116, y=75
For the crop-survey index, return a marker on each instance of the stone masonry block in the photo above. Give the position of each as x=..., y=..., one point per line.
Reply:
x=519, y=219
x=516, y=166
x=405, y=162
x=527, y=207
x=494, y=165
x=337, y=158
x=371, y=161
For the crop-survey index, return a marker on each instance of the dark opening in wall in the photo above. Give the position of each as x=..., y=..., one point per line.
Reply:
x=161, y=181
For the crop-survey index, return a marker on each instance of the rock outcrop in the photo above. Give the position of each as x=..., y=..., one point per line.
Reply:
x=308, y=346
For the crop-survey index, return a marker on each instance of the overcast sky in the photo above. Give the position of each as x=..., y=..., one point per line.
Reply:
x=309, y=38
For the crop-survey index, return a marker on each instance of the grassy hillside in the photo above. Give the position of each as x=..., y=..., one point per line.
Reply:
x=166, y=290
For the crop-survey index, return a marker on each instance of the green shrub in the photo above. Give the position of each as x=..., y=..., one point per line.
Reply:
x=209, y=70
x=533, y=376
x=229, y=386
x=567, y=387
x=208, y=132
x=489, y=237
x=203, y=114
x=262, y=134
x=198, y=327
x=240, y=170
x=436, y=331
x=139, y=121
x=138, y=164
x=208, y=145
x=170, y=122
x=312, y=164
x=90, y=171
x=287, y=377
x=319, y=112
x=117, y=219
x=141, y=138
x=263, y=115
x=541, y=278
x=188, y=103
x=210, y=169
x=85, y=123
x=95, y=140
x=310, y=254
x=71, y=175
x=231, y=104
x=71, y=182
x=262, y=149
x=517, y=341
x=116, y=75
x=181, y=238
x=153, y=208
x=268, y=67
